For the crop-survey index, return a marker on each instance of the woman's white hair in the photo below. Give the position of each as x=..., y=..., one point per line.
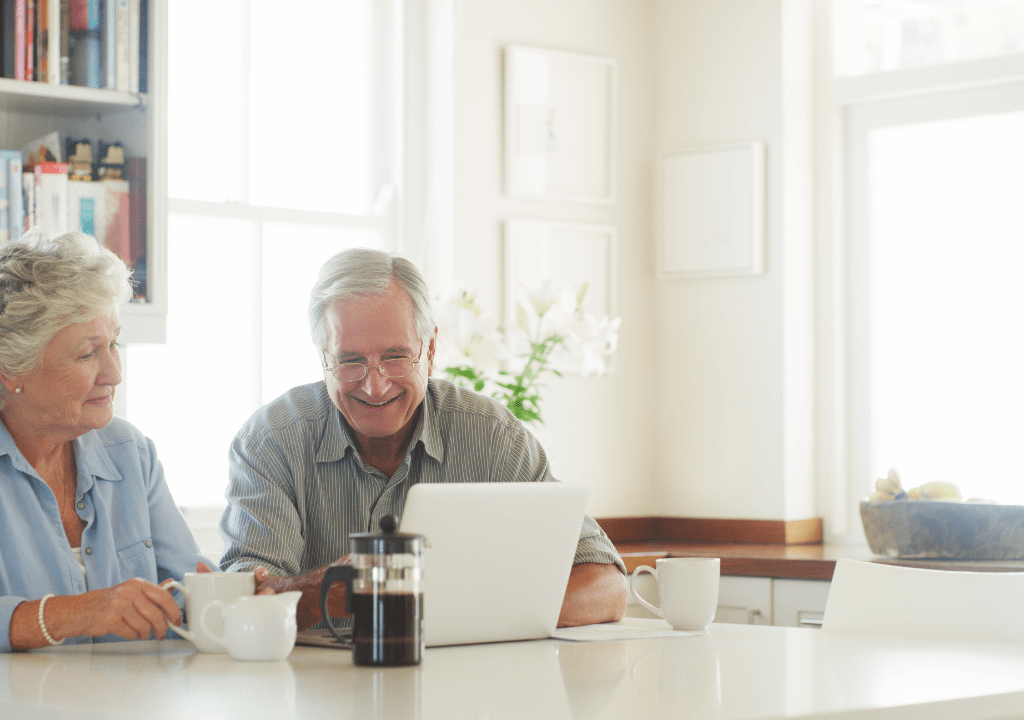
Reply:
x=364, y=271
x=50, y=281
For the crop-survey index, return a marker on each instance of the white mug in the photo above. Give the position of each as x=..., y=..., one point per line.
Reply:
x=201, y=589
x=688, y=588
x=256, y=627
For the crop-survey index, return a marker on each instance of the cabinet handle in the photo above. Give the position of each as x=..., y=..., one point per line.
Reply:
x=811, y=622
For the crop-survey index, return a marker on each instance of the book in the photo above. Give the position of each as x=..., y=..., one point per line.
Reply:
x=85, y=15
x=15, y=190
x=30, y=44
x=53, y=9
x=134, y=24
x=65, y=42
x=5, y=201
x=109, y=44
x=102, y=209
x=86, y=58
x=11, y=171
x=20, y=12
x=121, y=42
x=51, y=199
x=28, y=198
x=7, y=39
x=137, y=181
x=42, y=40
x=143, y=46
x=86, y=43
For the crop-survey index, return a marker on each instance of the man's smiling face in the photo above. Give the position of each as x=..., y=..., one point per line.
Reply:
x=371, y=329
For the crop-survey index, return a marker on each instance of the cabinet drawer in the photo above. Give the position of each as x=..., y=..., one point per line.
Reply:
x=799, y=603
x=744, y=600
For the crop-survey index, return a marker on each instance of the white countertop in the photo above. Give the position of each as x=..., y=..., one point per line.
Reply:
x=733, y=671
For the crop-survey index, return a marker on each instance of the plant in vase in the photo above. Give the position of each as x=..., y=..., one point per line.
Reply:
x=552, y=330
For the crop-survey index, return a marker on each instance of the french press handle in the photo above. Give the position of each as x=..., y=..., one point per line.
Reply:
x=333, y=574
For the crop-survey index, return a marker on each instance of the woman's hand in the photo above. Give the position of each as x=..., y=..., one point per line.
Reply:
x=135, y=610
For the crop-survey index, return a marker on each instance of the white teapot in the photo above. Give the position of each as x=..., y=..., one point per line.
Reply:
x=256, y=627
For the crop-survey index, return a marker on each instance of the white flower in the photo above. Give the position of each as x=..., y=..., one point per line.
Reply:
x=465, y=334
x=589, y=342
x=545, y=310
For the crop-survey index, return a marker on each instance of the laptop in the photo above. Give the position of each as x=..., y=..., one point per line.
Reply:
x=498, y=557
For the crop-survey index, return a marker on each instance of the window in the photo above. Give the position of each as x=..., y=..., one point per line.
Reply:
x=883, y=35
x=281, y=147
x=932, y=378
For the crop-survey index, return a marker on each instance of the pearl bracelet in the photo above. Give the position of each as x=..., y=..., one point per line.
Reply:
x=42, y=625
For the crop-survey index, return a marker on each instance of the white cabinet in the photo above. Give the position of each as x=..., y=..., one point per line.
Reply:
x=29, y=110
x=752, y=600
x=744, y=600
x=799, y=603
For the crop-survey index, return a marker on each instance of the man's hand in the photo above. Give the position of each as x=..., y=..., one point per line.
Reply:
x=308, y=612
x=596, y=593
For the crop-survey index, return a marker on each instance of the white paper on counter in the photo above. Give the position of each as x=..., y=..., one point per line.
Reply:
x=628, y=629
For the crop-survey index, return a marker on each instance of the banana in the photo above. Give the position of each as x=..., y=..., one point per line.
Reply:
x=889, y=487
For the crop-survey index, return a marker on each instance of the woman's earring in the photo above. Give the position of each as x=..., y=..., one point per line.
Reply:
x=17, y=390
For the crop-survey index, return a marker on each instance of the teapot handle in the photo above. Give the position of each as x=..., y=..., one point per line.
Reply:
x=333, y=574
x=220, y=605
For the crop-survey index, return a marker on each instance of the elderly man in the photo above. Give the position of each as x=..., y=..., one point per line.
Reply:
x=331, y=458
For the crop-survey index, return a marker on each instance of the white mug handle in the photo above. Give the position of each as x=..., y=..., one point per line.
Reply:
x=220, y=605
x=187, y=634
x=632, y=589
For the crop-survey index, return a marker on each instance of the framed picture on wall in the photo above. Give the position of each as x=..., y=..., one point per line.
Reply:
x=559, y=125
x=711, y=211
x=555, y=256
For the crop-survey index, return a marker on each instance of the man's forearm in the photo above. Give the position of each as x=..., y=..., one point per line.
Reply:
x=596, y=593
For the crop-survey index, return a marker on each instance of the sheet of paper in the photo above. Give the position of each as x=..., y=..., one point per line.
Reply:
x=628, y=629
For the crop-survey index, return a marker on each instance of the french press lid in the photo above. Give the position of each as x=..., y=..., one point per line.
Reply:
x=387, y=542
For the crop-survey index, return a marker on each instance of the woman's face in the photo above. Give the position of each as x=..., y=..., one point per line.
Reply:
x=73, y=391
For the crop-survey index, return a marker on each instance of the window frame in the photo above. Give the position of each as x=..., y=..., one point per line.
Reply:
x=848, y=109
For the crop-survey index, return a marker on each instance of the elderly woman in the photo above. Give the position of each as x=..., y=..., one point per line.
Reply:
x=87, y=524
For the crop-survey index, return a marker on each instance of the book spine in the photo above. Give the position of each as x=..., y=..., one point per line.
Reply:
x=144, y=46
x=5, y=200
x=137, y=195
x=15, y=192
x=109, y=44
x=20, y=13
x=86, y=59
x=11, y=212
x=85, y=15
x=52, y=196
x=137, y=182
x=121, y=41
x=42, y=38
x=65, y=42
x=134, y=24
x=30, y=39
x=53, y=42
x=28, y=198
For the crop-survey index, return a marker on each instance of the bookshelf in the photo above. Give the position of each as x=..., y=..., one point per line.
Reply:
x=29, y=110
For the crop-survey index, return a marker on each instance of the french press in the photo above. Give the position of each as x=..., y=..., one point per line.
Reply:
x=384, y=594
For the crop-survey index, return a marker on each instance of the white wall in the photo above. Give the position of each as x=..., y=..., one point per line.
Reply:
x=599, y=431
x=735, y=431
x=710, y=412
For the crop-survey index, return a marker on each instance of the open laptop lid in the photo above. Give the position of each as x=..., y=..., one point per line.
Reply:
x=498, y=559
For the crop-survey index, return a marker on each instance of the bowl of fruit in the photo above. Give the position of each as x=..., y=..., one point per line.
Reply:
x=933, y=521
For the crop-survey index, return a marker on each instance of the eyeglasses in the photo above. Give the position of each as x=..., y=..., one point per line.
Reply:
x=392, y=369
